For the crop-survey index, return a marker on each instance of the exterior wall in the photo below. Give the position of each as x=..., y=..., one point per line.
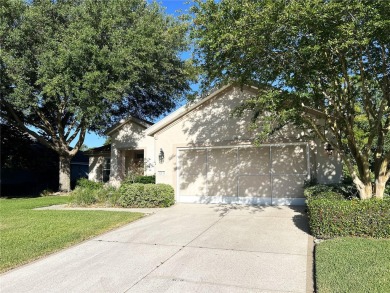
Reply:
x=328, y=169
x=130, y=137
x=95, y=168
x=211, y=124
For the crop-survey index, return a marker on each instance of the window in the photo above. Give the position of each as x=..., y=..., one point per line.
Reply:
x=106, y=169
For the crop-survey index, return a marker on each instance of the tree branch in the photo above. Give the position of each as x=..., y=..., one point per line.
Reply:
x=79, y=128
x=47, y=124
x=21, y=124
x=80, y=142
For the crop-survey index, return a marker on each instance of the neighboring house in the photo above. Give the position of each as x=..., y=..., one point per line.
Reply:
x=207, y=155
x=28, y=167
x=79, y=166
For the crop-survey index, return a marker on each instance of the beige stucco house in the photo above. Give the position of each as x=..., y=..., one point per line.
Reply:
x=208, y=156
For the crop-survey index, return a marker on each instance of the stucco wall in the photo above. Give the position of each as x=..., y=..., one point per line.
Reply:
x=130, y=136
x=95, y=168
x=327, y=169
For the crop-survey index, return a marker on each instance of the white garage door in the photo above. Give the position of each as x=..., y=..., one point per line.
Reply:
x=269, y=174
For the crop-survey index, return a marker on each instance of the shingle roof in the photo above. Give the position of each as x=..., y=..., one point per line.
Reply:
x=99, y=150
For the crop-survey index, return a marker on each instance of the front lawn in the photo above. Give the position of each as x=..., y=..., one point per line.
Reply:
x=353, y=265
x=27, y=234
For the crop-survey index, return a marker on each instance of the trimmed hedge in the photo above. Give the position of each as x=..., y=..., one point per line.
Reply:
x=331, y=191
x=145, y=179
x=139, y=195
x=140, y=179
x=331, y=215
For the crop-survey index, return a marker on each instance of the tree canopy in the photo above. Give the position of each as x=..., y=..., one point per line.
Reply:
x=69, y=66
x=319, y=64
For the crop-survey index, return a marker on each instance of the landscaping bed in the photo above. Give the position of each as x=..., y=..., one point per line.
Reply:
x=128, y=195
x=28, y=234
x=334, y=212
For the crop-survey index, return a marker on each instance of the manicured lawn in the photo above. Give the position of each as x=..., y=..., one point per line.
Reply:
x=27, y=234
x=353, y=265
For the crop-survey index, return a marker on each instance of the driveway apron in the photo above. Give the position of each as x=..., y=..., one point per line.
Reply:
x=185, y=248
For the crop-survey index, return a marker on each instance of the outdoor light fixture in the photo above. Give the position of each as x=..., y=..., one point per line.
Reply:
x=329, y=149
x=161, y=156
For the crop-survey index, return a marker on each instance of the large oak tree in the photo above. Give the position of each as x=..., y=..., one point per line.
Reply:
x=321, y=64
x=72, y=66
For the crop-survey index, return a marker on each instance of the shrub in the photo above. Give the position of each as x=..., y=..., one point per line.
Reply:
x=145, y=179
x=139, y=195
x=83, y=197
x=161, y=195
x=107, y=196
x=330, y=218
x=140, y=179
x=331, y=191
x=88, y=184
x=129, y=194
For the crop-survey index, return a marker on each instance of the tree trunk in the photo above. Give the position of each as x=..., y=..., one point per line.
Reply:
x=381, y=177
x=380, y=184
x=65, y=173
x=365, y=189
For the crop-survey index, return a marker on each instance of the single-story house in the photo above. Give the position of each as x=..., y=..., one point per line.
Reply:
x=208, y=155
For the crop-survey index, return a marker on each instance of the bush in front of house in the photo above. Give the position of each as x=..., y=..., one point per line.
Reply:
x=107, y=196
x=90, y=194
x=140, y=179
x=139, y=195
x=331, y=191
x=83, y=197
x=88, y=184
x=332, y=215
x=145, y=179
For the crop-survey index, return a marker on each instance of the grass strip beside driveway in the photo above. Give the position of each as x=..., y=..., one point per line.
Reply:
x=27, y=234
x=353, y=265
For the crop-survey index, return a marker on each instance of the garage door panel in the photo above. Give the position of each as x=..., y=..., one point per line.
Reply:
x=222, y=186
x=289, y=159
x=254, y=186
x=192, y=162
x=254, y=161
x=191, y=185
x=287, y=186
x=222, y=162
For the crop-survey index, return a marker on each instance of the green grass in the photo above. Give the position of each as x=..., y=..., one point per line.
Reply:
x=27, y=234
x=353, y=265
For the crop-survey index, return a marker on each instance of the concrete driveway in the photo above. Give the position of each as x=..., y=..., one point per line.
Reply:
x=185, y=248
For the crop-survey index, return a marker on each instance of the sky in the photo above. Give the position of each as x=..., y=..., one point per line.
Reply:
x=173, y=7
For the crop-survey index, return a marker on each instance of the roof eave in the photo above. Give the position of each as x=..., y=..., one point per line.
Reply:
x=121, y=124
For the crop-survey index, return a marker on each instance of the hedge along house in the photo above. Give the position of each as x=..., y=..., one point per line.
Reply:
x=208, y=156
